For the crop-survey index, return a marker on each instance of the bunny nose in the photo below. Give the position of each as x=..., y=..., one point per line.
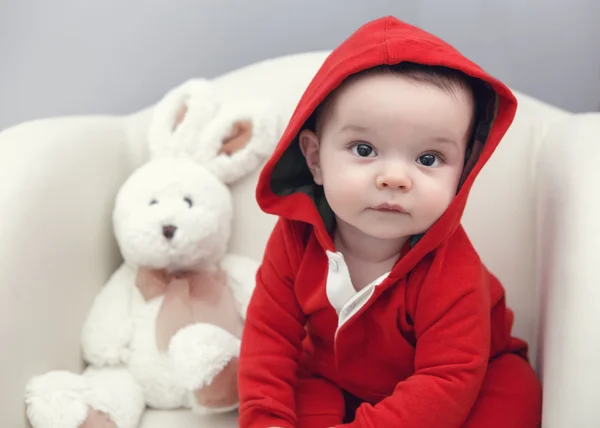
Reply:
x=169, y=231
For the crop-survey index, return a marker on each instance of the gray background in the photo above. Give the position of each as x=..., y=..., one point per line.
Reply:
x=116, y=56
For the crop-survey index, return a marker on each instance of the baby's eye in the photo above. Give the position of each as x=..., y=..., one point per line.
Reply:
x=429, y=160
x=363, y=150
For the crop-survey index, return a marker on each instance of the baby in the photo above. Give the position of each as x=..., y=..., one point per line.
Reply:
x=372, y=308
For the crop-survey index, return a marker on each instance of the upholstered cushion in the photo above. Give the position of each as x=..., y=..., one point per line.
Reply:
x=186, y=419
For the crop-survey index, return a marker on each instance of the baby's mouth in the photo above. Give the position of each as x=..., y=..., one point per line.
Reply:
x=390, y=208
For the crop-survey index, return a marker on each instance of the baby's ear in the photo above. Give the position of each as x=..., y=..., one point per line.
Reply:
x=240, y=138
x=309, y=145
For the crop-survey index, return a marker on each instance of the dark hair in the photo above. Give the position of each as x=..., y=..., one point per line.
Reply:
x=445, y=78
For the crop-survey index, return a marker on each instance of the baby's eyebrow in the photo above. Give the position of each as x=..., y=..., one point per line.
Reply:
x=444, y=140
x=351, y=127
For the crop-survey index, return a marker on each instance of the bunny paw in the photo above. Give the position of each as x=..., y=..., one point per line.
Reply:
x=199, y=352
x=56, y=399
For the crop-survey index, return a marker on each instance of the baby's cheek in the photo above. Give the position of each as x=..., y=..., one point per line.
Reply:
x=437, y=200
x=343, y=192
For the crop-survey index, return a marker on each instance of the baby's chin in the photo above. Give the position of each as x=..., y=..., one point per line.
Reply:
x=387, y=235
x=383, y=231
x=384, y=227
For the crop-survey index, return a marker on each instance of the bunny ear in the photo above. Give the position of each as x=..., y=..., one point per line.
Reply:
x=240, y=138
x=180, y=116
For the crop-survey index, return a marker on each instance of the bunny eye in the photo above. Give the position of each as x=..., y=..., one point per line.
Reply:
x=153, y=202
x=189, y=201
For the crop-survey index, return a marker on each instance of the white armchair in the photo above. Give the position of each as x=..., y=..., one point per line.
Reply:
x=533, y=216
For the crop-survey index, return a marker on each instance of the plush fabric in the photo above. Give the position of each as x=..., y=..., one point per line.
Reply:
x=164, y=331
x=189, y=297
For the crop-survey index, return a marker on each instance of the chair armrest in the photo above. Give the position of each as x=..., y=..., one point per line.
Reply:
x=568, y=207
x=58, y=179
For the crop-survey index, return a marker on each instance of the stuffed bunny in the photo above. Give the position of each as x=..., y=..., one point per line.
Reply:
x=165, y=329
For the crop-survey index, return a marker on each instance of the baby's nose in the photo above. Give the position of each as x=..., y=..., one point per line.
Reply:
x=394, y=180
x=169, y=231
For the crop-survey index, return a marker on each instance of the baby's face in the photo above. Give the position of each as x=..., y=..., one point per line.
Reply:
x=390, y=153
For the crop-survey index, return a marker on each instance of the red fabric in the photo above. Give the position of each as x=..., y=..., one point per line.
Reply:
x=417, y=354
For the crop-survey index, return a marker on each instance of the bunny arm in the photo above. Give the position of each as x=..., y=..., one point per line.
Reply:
x=107, y=329
x=241, y=275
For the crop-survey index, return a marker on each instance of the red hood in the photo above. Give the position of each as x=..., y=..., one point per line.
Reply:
x=285, y=186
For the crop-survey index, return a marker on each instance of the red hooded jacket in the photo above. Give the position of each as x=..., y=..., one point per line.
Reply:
x=417, y=343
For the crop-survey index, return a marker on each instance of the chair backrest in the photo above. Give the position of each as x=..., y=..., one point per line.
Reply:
x=500, y=215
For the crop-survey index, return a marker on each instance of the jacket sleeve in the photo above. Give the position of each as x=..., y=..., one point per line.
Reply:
x=272, y=338
x=452, y=329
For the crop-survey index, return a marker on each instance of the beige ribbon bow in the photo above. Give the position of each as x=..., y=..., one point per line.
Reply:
x=189, y=297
